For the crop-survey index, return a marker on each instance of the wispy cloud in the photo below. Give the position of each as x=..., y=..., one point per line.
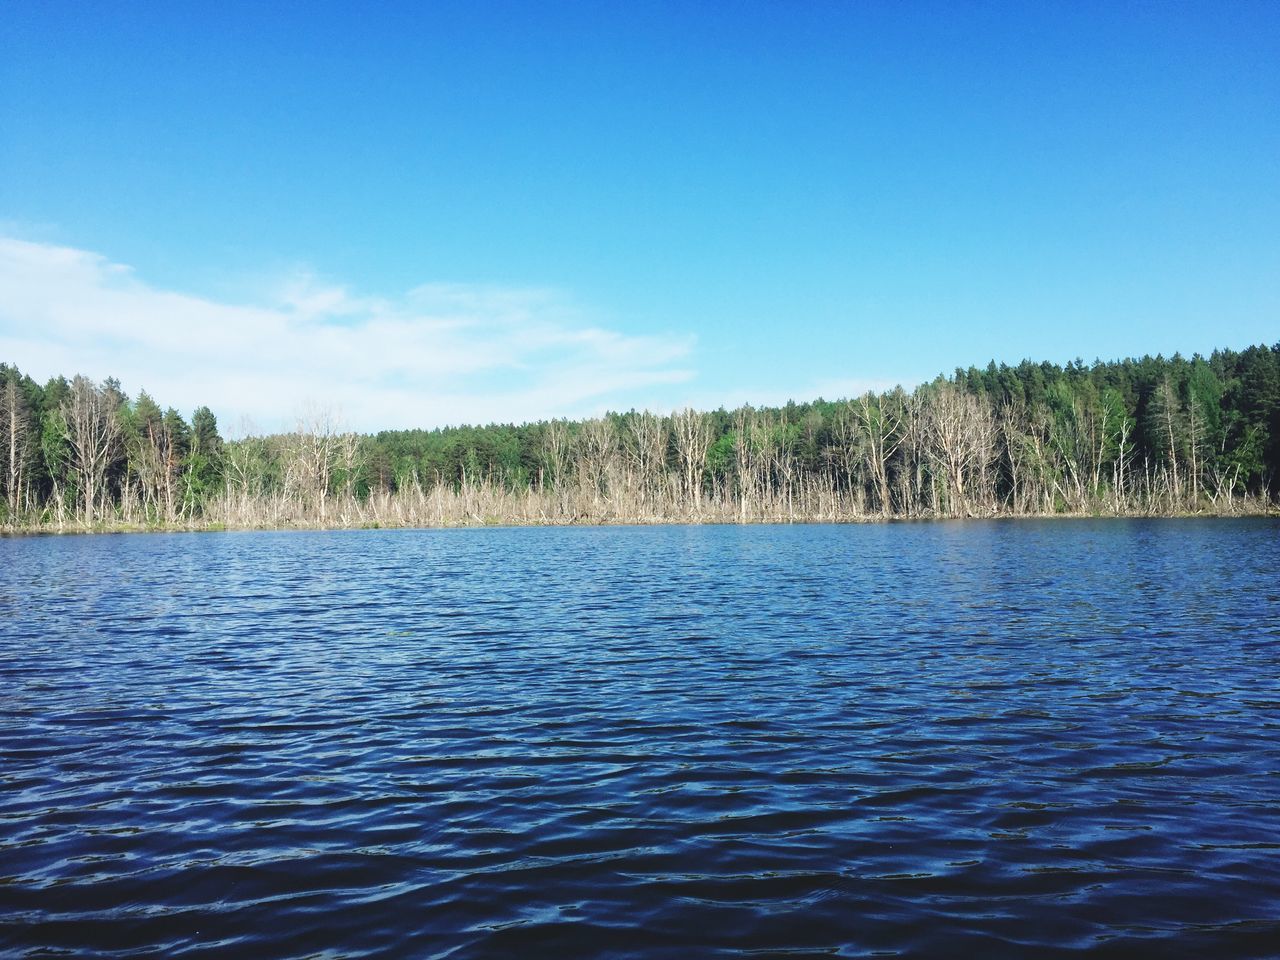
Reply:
x=438, y=354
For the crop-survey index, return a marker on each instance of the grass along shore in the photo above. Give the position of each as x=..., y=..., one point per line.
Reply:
x=488, y=504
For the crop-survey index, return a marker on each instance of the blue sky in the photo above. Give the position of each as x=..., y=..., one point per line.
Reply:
x=435, y=213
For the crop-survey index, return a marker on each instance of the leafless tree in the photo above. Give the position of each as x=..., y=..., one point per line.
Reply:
x=960, y=431
x=647, y=437
x=880, y=430
x=747, y=457
x=597, y=445
x=693, y=440
x=1165, y=402
x=312, y=454
x=15, y=435
x=556, y=452
x=91, y=415
x=914, y=456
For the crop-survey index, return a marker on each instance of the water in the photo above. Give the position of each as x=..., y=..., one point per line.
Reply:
x=986, y=739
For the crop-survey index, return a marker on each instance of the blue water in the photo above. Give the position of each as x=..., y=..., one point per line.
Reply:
x=953, y=739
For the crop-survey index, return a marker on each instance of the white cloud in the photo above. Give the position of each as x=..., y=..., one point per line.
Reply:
x=439, y=354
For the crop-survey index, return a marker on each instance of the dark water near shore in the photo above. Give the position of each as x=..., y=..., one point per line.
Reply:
x=986, y=739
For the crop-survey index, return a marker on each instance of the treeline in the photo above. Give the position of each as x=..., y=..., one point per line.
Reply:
x=1148, y=436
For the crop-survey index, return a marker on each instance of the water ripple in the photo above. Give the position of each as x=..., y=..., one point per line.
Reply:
x=998, y=739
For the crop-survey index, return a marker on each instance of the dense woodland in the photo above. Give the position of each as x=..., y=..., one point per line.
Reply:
x=1148, y=436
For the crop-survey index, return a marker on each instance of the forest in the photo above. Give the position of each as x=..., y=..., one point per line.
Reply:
x=1149, y=436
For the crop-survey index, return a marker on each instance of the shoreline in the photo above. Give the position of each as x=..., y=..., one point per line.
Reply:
x=117, y=528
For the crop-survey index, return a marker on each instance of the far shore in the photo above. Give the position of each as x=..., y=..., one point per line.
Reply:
x=477, y=522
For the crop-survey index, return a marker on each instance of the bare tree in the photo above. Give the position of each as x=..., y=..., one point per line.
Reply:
x=1069, y=436
x=1165, y=403
x=246, y=466
x=693, y=440
x=1016, y=447
x=647, y=449
x=15, y=434
x=844, y=455
x=752, y=453
x=914, y=455
x=597, y=457
x=312, y=454
x=880, y=429
x=91, y=415
x=961, y=433
x=350, y=461
x=1120, y=469
x=156, y=458
x=1195, y=444
x=778, y=443
x=556, y=452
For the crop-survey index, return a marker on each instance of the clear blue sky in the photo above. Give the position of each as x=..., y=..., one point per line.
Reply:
x=684, y=201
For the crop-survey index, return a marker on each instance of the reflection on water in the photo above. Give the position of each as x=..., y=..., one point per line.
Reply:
x=988, y=739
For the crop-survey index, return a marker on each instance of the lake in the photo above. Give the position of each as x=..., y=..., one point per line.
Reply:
x=1015, y=738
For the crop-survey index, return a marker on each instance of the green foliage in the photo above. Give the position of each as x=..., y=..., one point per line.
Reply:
x=203, y=454
x=1077, y=433
x=720, y=457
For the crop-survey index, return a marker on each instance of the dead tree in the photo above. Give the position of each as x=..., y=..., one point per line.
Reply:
x=961, y=433
x=880, y=427
x=647, y=449
x=311, y=458
x=556, y=453
x=91, y=415
x=693, y=440
x=15, y=433
x=597, y=458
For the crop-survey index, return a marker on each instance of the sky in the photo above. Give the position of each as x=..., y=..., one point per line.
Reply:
x=421, y=214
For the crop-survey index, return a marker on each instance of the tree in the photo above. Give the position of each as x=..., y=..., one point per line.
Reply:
x=879, y=419
x=647, y=450
x=15, y=435
x=145, y=445
x=693, y=440
x=1139, y=434
x=1166, y=425
x=961, y=435
x=556, y=453
x=91, y=419
x=311, y=456
x=205, y=458
x=597, y=449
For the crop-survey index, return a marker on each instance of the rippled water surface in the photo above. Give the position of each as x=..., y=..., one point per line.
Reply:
x=980, y=739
